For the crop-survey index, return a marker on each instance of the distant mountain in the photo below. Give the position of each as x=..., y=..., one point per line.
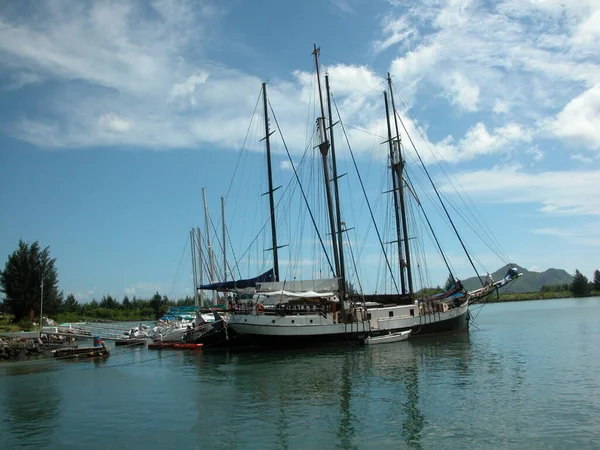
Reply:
x=529, y=282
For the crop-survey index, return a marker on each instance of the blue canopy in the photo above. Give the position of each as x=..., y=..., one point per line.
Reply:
x=239, y=284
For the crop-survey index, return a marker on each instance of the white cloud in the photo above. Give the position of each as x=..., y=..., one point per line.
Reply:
x=113, y=123
x=558, y=193
x=188, y=87
x=478, y=141
x=588, y=32
x=536, y=153
x=413, y=66
x=85, y=296
x=143, y=289
x=583, y=234
x=582, y=158
x=500, y=107
x=579, y=121
x=462, y=92
x=25, y=78
x=142, y=89
x=510, y=56
x=343, y=6
x=454, y=14
x=395, y=30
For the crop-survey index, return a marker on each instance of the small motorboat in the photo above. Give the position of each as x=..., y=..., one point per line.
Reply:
x=388, y=338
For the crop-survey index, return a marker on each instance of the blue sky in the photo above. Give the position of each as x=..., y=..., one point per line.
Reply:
x=115, y=114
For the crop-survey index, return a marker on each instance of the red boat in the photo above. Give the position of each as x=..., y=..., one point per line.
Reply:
x=159, y=345
x=188, y=346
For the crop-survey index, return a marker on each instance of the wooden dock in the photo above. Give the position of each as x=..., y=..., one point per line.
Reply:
x=81, y=352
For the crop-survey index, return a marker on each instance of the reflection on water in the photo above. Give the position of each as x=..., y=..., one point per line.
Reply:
x=346, y=430
x=30, y=404
x=508, y=384
x=350, y=392
x=412, y=425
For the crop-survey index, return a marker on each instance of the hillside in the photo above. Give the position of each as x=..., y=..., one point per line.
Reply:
x=529, y=282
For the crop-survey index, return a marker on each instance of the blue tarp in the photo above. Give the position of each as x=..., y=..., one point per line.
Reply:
x=268, y=276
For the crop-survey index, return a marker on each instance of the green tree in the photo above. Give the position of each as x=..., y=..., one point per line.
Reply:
x=71, y=305
x=449, y=282
x=580, y=287
x=109, y=302
x=126, y=303
x=159, y=305
x=597, y=280
x=21, y=282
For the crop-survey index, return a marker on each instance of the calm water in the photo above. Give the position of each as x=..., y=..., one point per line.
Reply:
x=527, y=378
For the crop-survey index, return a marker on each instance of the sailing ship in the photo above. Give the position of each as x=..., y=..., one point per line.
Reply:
x=288, y=313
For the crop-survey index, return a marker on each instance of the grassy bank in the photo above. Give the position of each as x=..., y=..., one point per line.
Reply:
x=526, y=296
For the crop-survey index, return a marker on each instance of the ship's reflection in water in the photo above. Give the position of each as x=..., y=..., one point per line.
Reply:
x=350, y=393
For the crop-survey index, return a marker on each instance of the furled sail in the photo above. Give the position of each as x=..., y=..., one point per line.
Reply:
x=239, y=285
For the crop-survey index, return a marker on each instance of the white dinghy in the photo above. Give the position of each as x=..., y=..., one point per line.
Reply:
x=388, y=338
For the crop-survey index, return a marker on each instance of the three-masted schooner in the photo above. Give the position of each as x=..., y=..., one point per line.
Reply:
x=287, y=313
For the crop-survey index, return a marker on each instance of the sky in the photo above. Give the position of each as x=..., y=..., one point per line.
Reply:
x=115, y=114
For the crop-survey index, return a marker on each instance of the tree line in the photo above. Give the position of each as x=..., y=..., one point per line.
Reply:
x=30, y=274
x=29, y=284
x=582, y=287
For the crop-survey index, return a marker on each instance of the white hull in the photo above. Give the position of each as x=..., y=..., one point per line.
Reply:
x=290, y=325
x=376, y=321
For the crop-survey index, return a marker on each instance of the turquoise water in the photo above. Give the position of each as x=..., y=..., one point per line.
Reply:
x=527, y=377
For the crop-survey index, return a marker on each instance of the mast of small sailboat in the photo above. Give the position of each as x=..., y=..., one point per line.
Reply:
x=271, y=190
x=200, y=263
x=397, y=165
x=194, y=266
x=224, y=237
x=211, y=262
x=324, y=148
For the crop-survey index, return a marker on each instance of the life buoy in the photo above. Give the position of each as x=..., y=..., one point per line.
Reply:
x=260, y=308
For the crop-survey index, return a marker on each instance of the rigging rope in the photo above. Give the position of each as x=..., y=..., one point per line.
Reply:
x=302, y=190
x=365, y=195
x=493, y=243
x=440, y=199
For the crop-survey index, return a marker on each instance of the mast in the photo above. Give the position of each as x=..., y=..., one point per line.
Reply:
x=211, y=264
x=336, y=189
x=224, y=236
x=394, y=192
x=398, y=167
x=324, y=147
x=200, y=261
x=271, y=190
x=194, y=266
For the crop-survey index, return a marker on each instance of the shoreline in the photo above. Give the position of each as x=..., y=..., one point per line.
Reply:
x=531, y=296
